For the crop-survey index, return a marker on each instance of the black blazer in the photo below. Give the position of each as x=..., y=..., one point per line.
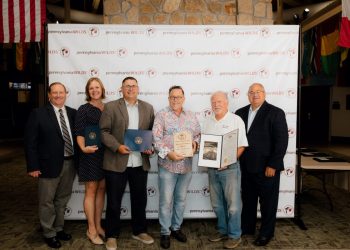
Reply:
x=267, y=138
x=44, y=144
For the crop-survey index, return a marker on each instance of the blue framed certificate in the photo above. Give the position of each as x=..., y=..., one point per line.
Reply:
x=138, y=140
x=92, y=136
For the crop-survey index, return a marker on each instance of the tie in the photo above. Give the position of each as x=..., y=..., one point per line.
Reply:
x=68, y=148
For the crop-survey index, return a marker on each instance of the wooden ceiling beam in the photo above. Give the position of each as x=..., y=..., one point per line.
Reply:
x=293, y=3
x=321, y=16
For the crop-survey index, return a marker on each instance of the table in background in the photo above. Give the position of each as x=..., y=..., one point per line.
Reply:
x=313, y=167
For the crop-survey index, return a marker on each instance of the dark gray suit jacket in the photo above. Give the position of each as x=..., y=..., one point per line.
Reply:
x=44, y=143
x=113, y=123
x=267, y=138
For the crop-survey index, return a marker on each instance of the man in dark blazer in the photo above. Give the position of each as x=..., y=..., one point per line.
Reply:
x=49, y=159
x=122, y=165
x=261, y=162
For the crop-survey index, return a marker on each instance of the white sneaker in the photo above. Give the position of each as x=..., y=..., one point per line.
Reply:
x=111, y=244
x=144, y=238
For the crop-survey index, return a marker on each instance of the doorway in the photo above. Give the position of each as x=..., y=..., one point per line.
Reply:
x=314, y=115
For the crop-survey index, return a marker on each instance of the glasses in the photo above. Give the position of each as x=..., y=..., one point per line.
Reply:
x=175, y=98
x=130, y=86
x=252, y=93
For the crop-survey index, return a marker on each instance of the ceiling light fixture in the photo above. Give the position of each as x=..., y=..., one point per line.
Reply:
x=296, y=18
x=306, y=13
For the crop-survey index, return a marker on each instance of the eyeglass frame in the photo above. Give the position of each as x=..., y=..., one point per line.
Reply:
x=176, y=98
x=130, y=86
x=253, y=93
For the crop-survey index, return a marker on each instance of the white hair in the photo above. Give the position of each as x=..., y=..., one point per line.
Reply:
x=219, y=93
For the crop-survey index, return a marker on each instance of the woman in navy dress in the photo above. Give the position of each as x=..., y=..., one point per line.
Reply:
x=91, y=159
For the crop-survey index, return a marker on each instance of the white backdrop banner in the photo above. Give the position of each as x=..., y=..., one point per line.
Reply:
x=202, y=59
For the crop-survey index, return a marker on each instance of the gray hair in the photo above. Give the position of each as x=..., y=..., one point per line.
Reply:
x=258, y=84
x=219, y=93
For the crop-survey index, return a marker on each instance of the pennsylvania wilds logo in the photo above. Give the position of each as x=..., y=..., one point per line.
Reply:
x=67, y=211
x=94, y=31
x=288, y=209
x=206, y=191
x=64, y=52
x=123, y=211
x=151, y=191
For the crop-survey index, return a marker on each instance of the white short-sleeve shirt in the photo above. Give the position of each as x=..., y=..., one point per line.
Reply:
x=228, y=123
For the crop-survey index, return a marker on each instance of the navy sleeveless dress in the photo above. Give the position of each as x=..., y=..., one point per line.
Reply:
x=90, y=165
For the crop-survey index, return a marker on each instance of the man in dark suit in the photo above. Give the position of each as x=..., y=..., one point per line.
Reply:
x=122, y=165
x=261, y=162
x=49, y=148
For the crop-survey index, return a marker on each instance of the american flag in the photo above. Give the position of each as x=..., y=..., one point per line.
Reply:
x=22, y=20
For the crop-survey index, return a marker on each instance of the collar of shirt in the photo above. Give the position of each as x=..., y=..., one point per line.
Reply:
x=56, y=109
x=221, y=120
x=131, y=105
x=169, y=109
x=256, y=110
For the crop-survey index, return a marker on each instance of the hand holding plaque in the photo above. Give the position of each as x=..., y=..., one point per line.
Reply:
x=183, y=143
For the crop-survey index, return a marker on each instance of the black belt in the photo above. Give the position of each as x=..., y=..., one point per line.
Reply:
x=68, y=157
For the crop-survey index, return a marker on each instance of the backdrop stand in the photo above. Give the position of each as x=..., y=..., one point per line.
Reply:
x=298, y=215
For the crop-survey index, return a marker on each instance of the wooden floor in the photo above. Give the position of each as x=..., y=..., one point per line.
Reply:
x=19, y=221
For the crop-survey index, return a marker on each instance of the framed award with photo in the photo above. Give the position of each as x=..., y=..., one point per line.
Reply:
x=218, y=151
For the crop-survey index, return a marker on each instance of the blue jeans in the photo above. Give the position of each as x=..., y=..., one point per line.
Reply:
x=172, y=196
x=225, y=195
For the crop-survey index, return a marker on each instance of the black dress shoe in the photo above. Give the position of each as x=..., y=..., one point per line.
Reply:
x=180, y=236
x=165, y=241
x=262, y=241
x=61, y=235
x=53, y=242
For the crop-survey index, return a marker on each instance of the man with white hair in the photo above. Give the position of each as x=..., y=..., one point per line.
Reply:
x=225, y=182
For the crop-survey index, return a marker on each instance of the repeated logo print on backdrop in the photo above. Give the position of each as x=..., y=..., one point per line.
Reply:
x=236, y=53
x=288, y=209
x=291, y=132
x=65, y=52
x=265, y=32
x=263, y=73
x=235, y=93
x=291, y=93
x=151, y=73
x=289, y=171
x=94, y=31
x=94, y=72
x=122, y=52
x=179, y=53
x=67, y=211
x=208, y=32
x=205, y=191
x=208, y=73
x=123, y=211
x=207, y=112
x=151, y=191
x=151, y=32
